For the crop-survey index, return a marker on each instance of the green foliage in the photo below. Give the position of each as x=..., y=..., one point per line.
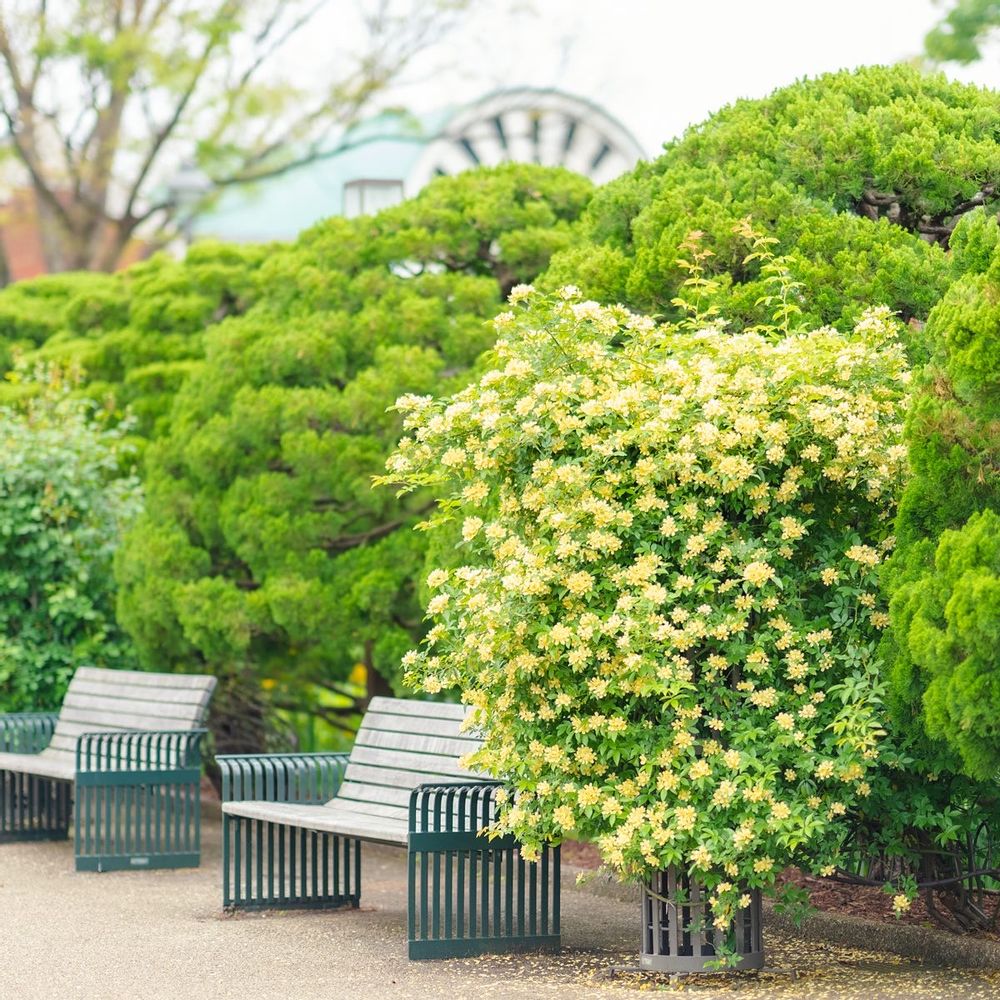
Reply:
x=666, y=615
x=949, y=618
x=959, y=35
x=63, y=504
x=859, y=175
x=264, y=548
x=134, y=335
x=943, y=578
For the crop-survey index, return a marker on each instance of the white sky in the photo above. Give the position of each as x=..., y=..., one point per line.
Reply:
x=657, y=65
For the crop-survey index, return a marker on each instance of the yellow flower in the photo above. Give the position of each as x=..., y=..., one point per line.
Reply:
x=579, y=583
x=471, y=527
x=700, y=769
x=701, y=857
x=686, y=817
x=865, y=555
x=564, y=817
x=758, y=573
x=610, y=807
x=437, y=604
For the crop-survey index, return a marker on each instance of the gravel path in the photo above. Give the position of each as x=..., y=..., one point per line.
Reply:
x=162, y=936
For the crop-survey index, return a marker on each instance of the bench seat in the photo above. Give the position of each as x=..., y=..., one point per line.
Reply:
x=293, y=825
x=43, y=764
x=325, y=818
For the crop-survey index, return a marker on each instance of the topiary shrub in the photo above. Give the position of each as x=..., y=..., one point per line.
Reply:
x=263, y=549
x=135, y=335
x=945, y=664
x=860, y=175
x=666, y=614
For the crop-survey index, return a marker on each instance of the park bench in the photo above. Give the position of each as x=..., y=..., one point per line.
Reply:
x=122, y=757
x=294, y=824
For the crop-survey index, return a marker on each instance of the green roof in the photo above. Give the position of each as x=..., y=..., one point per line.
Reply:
x=385, y=147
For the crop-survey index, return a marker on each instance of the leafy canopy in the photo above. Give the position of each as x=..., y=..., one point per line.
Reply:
x=860, y=176
x=263, y=545
x=133, y=336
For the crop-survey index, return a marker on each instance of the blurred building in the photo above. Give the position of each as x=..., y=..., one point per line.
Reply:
x=393, y=155
x=377, y=163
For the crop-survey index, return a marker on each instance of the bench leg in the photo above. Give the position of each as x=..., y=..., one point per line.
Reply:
x=34, y=808
x=270, y=866
x=125, y=820
x=479, y=899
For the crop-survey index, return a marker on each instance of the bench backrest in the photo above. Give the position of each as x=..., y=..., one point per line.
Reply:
x=401, y=744
x=99, y=700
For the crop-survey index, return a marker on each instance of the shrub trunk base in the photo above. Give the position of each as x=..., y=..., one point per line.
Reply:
x=678, y=934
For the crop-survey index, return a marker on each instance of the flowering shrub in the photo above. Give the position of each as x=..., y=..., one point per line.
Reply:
x=667, y=617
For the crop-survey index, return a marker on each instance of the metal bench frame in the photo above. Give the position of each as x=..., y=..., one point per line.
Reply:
x=133, y=800
x=467, y=894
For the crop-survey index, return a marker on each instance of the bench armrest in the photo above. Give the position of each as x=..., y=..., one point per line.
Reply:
x=139, y=750
x=26, y=732
x=282, y=777
x=454, y=807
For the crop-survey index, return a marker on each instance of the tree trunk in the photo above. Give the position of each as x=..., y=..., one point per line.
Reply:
x=377, y=685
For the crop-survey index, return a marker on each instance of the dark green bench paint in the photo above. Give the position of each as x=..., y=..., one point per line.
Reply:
x=294, y=824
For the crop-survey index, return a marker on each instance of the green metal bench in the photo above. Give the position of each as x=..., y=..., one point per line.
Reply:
x=293, y=825
x=121, y=759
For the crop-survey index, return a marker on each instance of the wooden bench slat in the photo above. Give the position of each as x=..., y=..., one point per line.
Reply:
x=142, y=678
x=427, y=767
x=79, y=702
x=411, y=706
x=393, y=777
x=376, y=829
x=73, y=717
x=44, y=764
x=385, y=722
x=370, y=809
x=353, y=791
x=133, y=692
x=414, y=743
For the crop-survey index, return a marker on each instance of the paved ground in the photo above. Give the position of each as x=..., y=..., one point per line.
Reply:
x=162, y=936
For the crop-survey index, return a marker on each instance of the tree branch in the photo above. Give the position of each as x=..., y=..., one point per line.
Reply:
x=346, y=542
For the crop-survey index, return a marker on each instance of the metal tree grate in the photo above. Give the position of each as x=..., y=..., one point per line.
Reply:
x=677, y=930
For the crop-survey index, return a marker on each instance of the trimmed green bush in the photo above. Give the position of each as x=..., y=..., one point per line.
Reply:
x=264, y=550
x=860, y=175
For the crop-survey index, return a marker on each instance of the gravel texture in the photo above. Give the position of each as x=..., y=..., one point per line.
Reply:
x=162, y=936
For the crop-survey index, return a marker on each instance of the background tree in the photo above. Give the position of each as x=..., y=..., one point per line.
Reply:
x=959, y=35
x=63, y=504
x=103, y=101
x=861, y=176
x=134, y=335
x=264, y=554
